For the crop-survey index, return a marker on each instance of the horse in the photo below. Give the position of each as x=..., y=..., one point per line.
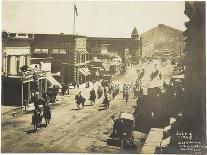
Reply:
x=64, y=89
x=47, y=114
x=92, y=96
x=36, y=120
x=80, y=100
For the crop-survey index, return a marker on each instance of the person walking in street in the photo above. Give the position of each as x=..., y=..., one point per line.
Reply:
x=105, y=90
x=127, y=94
x=64, y=89
x=92, y=96
x=78, y=85
x=160, y=75
x=114, y=92
x=106, y=101
x=124, y=91
x=99, y=92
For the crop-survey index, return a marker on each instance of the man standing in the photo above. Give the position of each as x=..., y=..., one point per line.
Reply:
x=92, y=95
x=127, y=94
x=124, y=91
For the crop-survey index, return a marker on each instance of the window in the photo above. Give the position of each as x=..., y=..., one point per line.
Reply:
x=40, y=51
x=58, y=51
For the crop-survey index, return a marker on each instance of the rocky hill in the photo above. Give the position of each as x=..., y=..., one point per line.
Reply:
x=162, y=38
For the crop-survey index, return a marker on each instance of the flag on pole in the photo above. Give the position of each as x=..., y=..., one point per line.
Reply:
x=76, y=10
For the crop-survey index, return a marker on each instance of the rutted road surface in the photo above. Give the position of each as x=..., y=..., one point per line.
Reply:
x=70, y=130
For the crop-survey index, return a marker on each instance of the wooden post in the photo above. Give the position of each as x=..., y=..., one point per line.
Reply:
x=22, y=95
x=45, y=85
x=29, y=93
x=40, y=88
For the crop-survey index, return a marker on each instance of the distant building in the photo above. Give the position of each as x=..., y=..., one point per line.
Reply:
x=97, y=46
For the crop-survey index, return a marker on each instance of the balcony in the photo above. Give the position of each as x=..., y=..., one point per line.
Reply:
x=26, y=76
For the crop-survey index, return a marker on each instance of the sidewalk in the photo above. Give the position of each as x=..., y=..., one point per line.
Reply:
x=6, y=109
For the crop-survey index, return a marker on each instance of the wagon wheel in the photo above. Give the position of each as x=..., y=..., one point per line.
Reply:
x=132, y=138
x=122, y=145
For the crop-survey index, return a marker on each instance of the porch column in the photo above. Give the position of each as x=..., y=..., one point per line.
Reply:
x=22, y=95
x=45, y=85
x=28, y=96
x=40, y=87
x=12, y=65
x=28, y=60
x=5, y=61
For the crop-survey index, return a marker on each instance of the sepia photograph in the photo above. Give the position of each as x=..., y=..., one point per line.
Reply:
x=103, y=77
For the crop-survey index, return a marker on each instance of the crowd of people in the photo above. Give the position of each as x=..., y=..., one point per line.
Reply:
x=107, y=92
x=110, y=91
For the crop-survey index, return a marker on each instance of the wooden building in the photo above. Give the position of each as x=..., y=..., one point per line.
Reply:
x=16, y=85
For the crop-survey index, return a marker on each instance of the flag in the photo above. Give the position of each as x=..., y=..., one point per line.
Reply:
x=75, y=10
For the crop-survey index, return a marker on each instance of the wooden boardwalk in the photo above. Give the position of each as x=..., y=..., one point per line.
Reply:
x=153, y=141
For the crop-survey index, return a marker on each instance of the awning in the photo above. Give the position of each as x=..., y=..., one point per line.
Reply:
x=82, y=72
x=81, y=51
x=178, y=76
x=17, y=51
x=87, y=71
x=52, y=81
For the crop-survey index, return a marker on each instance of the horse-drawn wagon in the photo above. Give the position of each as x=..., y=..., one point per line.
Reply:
x=123, y=130
x=106, y=80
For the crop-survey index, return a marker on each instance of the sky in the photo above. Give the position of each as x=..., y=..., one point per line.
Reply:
x=95, y=18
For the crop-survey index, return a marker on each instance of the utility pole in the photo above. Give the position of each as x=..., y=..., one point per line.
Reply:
x=74, y=20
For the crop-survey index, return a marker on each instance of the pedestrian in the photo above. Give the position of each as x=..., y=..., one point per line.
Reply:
x=36, y=99
x=124, y=91
x=63, y=89
x=78, y=85
x=114, y=93
x=127, y=95
x=160, y=75
x=99, y=92
x=74, y=84
x=92, y=96
x=106, y=101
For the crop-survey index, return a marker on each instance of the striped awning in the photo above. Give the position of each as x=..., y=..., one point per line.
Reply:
x=87, y=71
x=81, y=51
x=82, y=72
x=16, y=51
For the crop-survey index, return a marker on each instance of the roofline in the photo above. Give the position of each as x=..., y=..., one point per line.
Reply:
x=47, y=34
x=109, y=38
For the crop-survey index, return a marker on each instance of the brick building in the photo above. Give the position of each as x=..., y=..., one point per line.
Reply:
x=68, y=52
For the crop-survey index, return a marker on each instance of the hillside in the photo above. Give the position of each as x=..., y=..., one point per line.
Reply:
x=162, y=38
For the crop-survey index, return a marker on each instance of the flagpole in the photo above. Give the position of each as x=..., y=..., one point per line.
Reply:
x=74, y=19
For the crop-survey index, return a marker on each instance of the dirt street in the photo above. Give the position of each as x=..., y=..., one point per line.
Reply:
x=73, y=130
